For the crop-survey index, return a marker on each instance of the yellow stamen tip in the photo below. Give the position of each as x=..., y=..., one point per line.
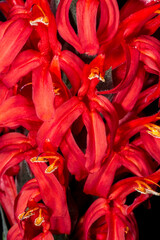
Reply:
x=157, y=11
x=154, y=130
x=95, y=73
x=43, y=20
x=144, y=188
x=126, y=229
x=51, y=168
x=39, y=159
x=38, y=221
x=56, y=91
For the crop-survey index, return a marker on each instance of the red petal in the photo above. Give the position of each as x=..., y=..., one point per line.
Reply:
x=99, y=183
x=98, y=209
x=72, y=66
x=16, y=111
x=8, y=194
x=55, y=129
x=55, y=200
x=15, y=36
x=4, y=92
x=74, y=156
x=96, y=140
x=14, y=233
x=127, y=97
x=86, y=25
x=22, y=65
x=132, y=6
x=109, y=20
x=64, y=27
x=152, y=145
x=132, y=61
x=44, y=236
x=43, y=93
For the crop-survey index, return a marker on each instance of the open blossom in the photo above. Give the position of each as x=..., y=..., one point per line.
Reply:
x=112, y=218
x=79, y=107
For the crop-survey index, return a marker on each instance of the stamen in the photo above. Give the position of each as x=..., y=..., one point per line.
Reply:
x=95, y=73
x=52, y=167
x=144, y=188
x=42, y=159
x=26, y=214
x=56, y=91
x=154, y=130
x=39, y=220
x=126, y=229
x=43, y=19
x=157, y=11
x=25, y=85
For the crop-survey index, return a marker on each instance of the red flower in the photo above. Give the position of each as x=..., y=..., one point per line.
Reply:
x=85, y=109
x=33, y=218
x=129, y=155
x=88, y=39
x=112, y=218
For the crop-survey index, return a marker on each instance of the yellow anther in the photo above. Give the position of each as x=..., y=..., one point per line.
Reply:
x=42, y=159
x=39, y=220
x=144, y=188
x=95, y=73
x=44, y=19
x=157, y=11
x=56, y=91
x=52, y=167
x=154, y=130
x=27, y=214
x=126, y=229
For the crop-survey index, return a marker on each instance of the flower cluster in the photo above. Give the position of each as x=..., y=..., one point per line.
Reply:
x=76, y=80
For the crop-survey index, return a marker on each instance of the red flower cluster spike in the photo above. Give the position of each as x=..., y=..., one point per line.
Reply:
x=79, y=117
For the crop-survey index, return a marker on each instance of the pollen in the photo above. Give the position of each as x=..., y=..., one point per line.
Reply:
x=126, y=229
x=56, y=91
x=40, y=158
x=144, y=188
x=52, y=167
x=39, y=220
x=54, y=162
x=157, y=11
x=43, y=19
x=154, y=130
x=95, y=73
x=27, y=213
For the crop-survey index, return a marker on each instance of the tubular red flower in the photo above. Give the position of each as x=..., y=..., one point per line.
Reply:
x=106, y=220
x=55, y=201
x=87, y=41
